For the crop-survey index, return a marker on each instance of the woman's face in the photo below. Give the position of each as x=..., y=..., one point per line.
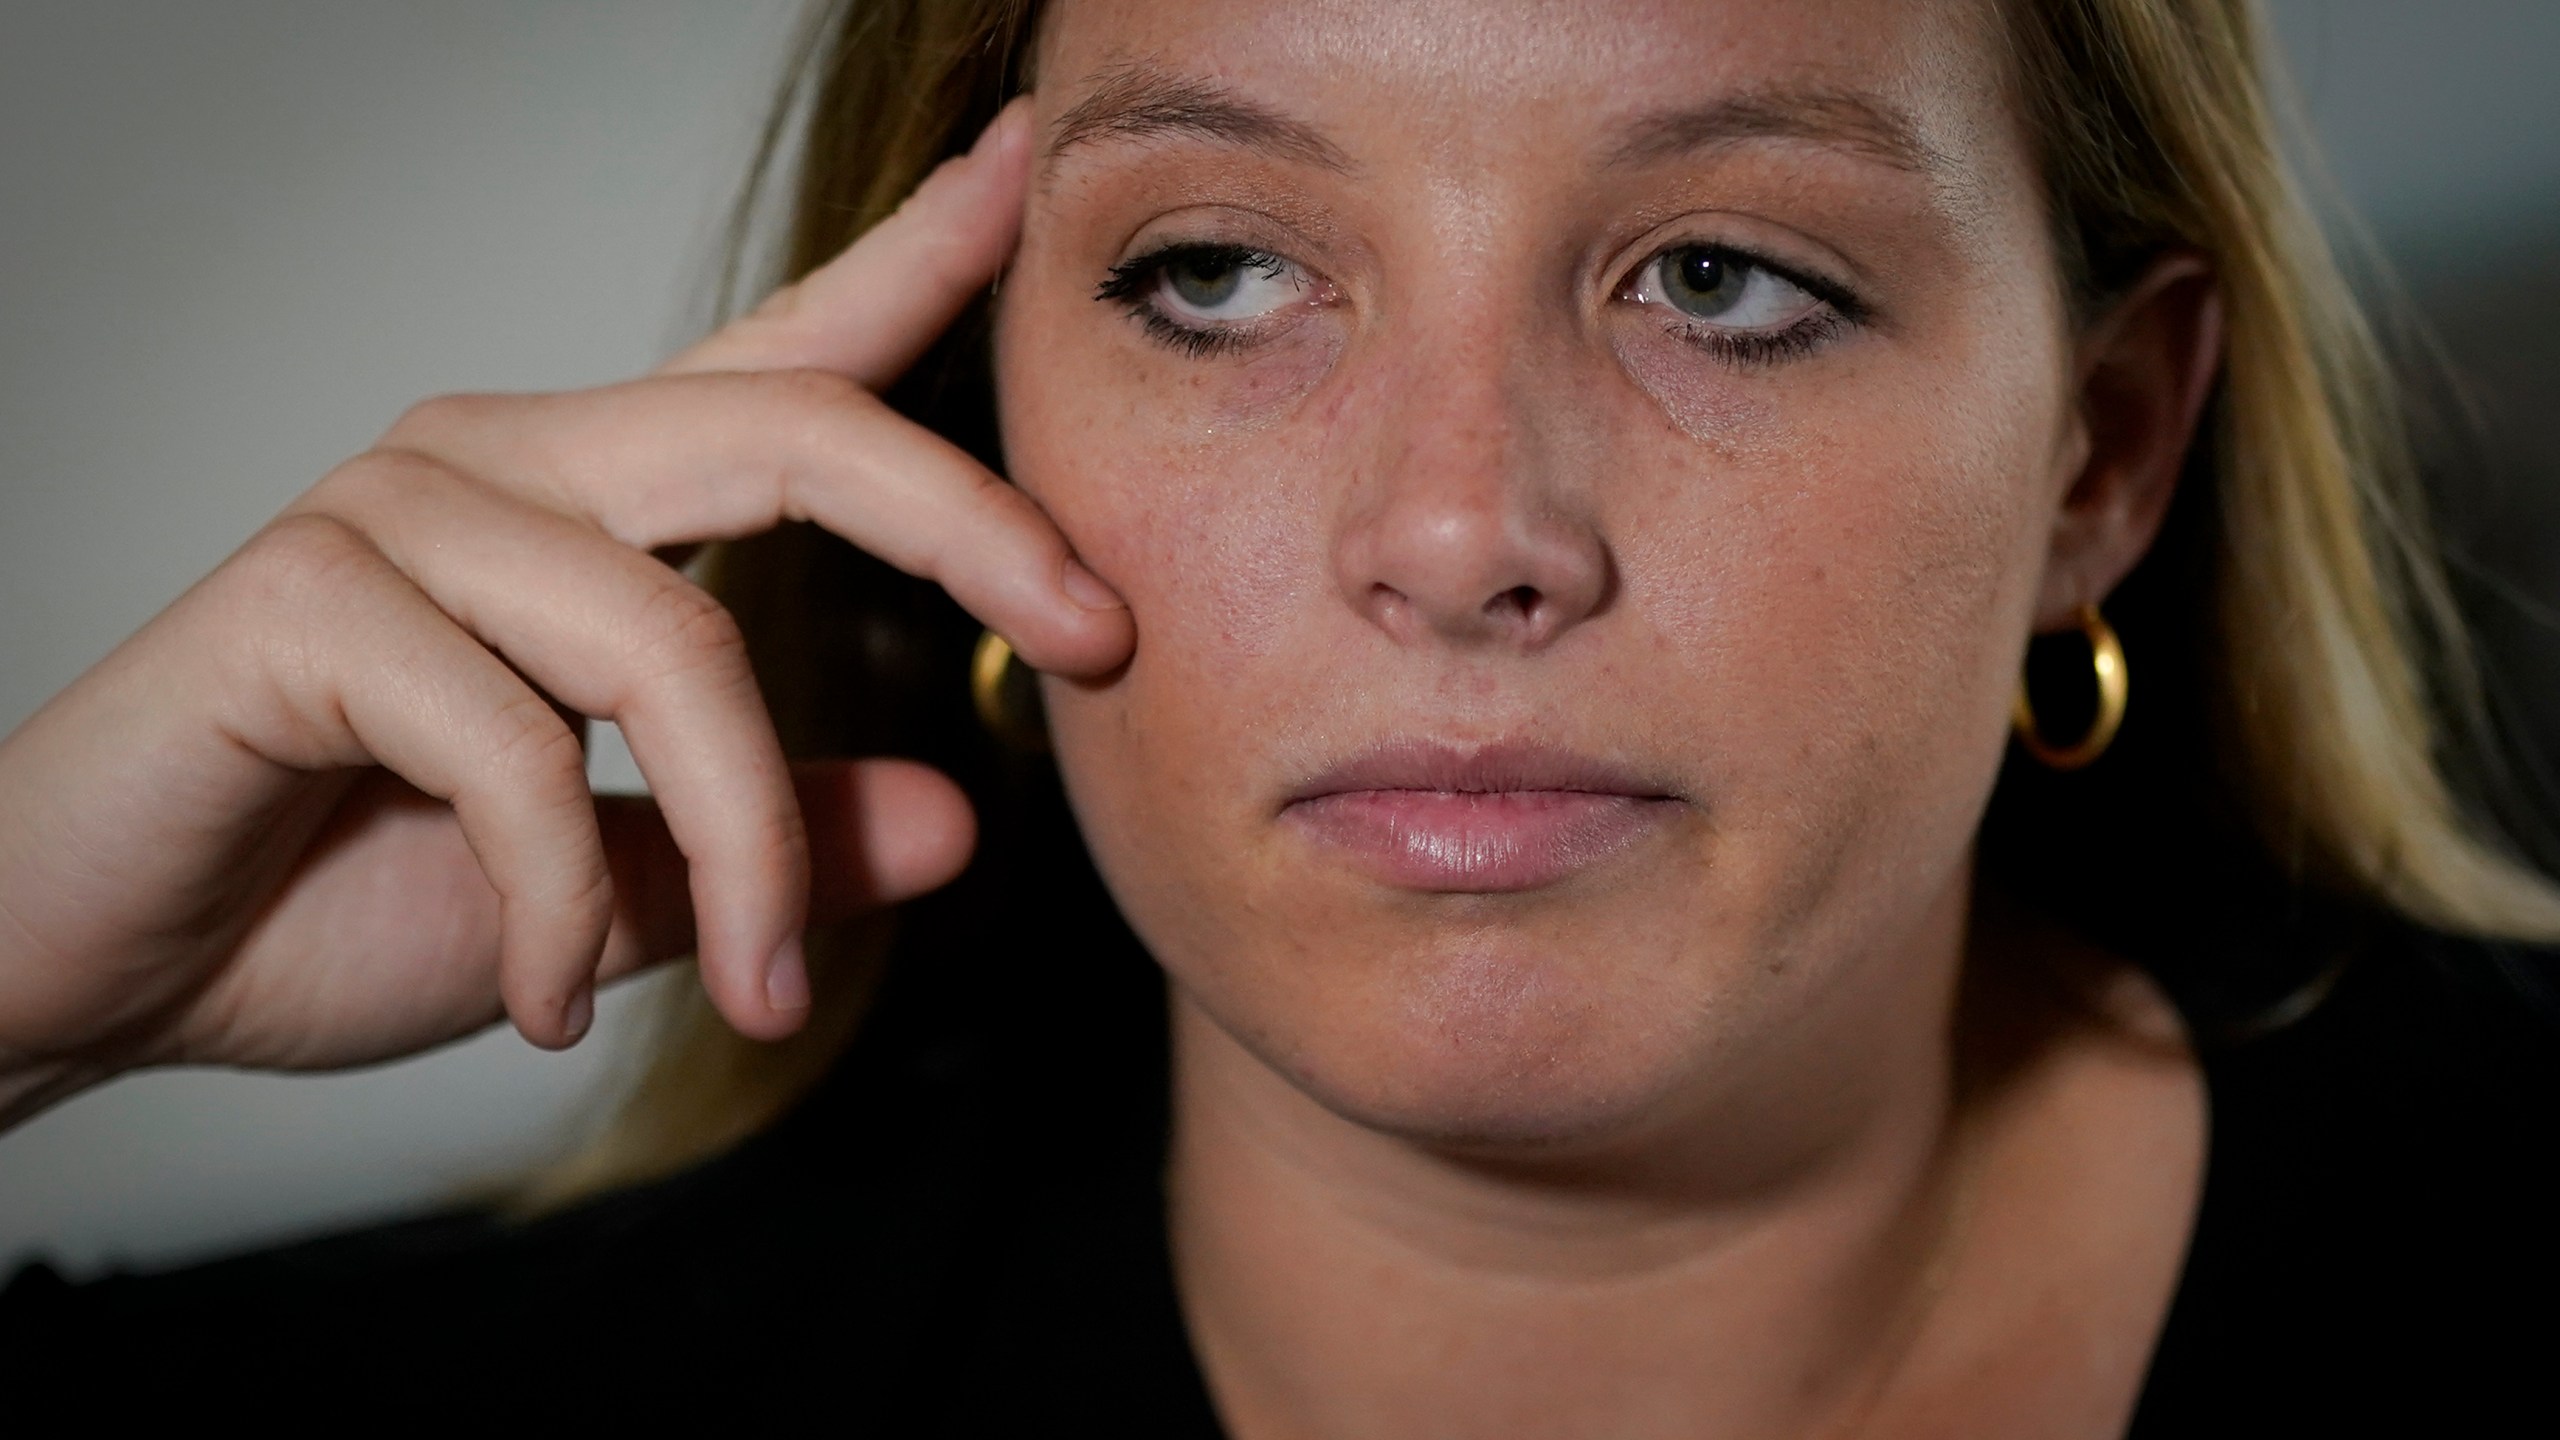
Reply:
x=1583, y=473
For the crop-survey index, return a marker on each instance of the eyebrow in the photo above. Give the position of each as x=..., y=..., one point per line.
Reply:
x=1136, y=101
x=1840, y=119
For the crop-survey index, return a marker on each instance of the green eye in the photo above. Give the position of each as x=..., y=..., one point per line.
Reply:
x=1210, y=283
x=1726, y=291
x=1204, y=280
x=1700, y=282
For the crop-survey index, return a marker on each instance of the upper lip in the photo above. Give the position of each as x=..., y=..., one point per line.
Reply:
x=1511, y=765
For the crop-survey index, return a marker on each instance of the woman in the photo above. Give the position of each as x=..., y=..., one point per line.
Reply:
x=1530, y=520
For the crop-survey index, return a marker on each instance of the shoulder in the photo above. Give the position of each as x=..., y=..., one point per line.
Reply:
x=2379, y=1222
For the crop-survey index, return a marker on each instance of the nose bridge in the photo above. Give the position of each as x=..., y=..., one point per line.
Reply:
x=1468, y=524
x=1458, y=422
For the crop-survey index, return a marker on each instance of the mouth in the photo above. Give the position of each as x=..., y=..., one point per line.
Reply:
x=1418, y=815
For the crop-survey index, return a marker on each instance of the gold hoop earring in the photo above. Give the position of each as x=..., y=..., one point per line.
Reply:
x=1006, y=697
x=2106, y=658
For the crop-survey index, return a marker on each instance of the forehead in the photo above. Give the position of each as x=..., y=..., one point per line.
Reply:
x=1924, y=76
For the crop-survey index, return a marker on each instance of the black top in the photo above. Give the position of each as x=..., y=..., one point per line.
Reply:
x=962, y=1232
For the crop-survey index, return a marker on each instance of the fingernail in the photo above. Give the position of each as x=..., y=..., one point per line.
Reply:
x=578, y=1014
x=786, y=980
x=1086, y=588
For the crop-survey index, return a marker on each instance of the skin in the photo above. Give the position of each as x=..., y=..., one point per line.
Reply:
x=317, y=814
x=1763, y=1123
x=1666, y=1146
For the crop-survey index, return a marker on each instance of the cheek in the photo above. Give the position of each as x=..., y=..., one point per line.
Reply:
x=1839, y=590
x=1846, y=558
x=1175, y=485
x=1214, y=547
x=1174, y=481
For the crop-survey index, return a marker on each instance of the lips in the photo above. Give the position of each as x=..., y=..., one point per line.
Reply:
x=1502, y=818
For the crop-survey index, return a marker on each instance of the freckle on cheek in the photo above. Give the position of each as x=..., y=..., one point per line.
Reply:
x=1259, y=581
x=1228, y=538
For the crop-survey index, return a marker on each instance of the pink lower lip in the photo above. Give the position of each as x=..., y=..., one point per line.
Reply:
x=1485, y=841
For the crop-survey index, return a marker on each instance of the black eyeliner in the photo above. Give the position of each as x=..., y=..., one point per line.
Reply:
x=1829, y=292
x=1755, y=349
x=1131, y=283
x=1130, y=278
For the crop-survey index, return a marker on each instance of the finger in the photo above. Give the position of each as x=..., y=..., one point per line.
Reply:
x=364, y=669
x=880, y=831
x=608, y=631
x=680, y=459
x=868, y=313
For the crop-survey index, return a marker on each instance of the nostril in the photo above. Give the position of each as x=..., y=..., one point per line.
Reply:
x=1520, y=600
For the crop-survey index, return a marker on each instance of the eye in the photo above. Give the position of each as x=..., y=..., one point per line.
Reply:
x=1203, y=298
x=1723, y=289
x=1222, y=284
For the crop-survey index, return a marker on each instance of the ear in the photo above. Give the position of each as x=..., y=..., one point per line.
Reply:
x=2143, y=370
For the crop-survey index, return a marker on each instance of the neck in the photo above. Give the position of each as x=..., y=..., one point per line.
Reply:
x=1705, y=1271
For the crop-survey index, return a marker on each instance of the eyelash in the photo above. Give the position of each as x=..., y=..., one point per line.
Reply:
x=1133, y=280
x=1750, y=350
x=1757, y=351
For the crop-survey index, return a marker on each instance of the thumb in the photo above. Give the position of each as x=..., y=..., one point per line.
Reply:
x=880, y=831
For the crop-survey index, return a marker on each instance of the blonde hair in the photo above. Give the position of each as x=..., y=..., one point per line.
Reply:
x=2278, y=625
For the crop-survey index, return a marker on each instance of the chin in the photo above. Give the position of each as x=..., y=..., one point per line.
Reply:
x=1488, y=1041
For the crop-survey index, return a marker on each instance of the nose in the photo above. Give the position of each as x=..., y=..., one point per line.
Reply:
x=1469, y=522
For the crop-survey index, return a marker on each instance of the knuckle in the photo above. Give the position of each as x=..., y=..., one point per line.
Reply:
x=307, y=560
x=439, y=415
x=578, y=889
x=282, y=610
x=372, y=485
x=683, y=628
x=568, y=902
x=818, y=391
x=531, y=751
x=994, y=493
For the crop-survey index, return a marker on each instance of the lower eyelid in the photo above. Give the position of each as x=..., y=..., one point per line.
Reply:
x=1752, y=348
x=1196, y=337
x=1820, y=312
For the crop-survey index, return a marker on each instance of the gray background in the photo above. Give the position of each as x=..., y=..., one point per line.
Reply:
x=236, y=239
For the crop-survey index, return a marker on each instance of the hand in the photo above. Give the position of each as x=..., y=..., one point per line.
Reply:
x=326, y=809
